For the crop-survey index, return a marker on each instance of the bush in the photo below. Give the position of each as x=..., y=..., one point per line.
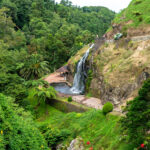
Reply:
x=108, y=107
x=17, y=128
x=147, y=20
x=70, y=99
x=55, y=136
x=136, y=123
x=137, y=2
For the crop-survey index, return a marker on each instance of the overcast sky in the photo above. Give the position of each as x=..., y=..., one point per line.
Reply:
x=115, y=5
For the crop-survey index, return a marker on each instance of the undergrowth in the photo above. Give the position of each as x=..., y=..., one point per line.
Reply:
x=102, y=131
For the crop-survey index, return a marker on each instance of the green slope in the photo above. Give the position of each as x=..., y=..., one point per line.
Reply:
x=137, y=11
x=103, y=132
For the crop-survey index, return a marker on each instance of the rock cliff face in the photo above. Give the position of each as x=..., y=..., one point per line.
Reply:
x=119, y=69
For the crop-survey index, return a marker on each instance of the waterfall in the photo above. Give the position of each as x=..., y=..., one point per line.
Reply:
x=79, y=79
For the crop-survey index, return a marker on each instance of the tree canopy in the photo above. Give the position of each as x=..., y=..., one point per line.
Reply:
x=55, y=31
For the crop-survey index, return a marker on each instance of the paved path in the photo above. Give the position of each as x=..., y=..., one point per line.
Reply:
x=55, y=78
x=90, y=102
x=134, y=39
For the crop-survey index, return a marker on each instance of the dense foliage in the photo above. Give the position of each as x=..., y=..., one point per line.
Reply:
x=37, y=37
x=54, y=31
x=136, y=123
x=17, y=128
x=70, y=99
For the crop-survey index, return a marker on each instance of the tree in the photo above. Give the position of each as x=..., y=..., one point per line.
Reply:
x=10, y=82
x=19, y=11
x=6, y=24
x=136, y=123
x=42, y=94
x=34, y=67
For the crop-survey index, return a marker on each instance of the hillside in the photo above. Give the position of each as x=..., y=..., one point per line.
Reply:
x=55, y=31
x=132, y=21
x=39, y=36
x=119, y=67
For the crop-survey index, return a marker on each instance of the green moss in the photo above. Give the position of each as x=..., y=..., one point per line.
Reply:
x=89, y=94
x=88, y=80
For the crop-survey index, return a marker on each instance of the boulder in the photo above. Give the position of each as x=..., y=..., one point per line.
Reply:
x=76, y=144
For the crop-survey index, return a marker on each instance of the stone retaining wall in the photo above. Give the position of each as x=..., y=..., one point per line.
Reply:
x=66, y=106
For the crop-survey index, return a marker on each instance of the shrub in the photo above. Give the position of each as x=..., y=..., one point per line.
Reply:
x=54, y=136
x=108, y=107
x=17, y=128
x=136, y=123
x=147, y=20
x=137, y=13
x=70, y=99
x=137, y=2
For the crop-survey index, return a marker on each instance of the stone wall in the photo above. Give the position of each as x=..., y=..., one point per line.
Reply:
x=66, y=106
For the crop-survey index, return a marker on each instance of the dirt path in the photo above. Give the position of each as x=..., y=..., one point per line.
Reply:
x=134, y=39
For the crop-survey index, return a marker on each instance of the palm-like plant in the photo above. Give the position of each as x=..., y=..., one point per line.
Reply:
x=42, y=93
x=34, y=67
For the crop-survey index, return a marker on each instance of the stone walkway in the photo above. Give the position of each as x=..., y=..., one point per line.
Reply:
x=90, y=102
x=55, y=78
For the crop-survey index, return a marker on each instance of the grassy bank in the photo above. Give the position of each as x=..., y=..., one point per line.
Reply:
x=103, y=132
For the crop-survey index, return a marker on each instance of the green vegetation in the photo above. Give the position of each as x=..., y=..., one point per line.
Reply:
x=137, y=12
x=34, y=67
x=88, y=80
x=17, y=128
x=102, y=132
x=69, y=99
x=136, y=122
x=51, y=34
x=42, y=93
x=108, y=107
x=36, y=38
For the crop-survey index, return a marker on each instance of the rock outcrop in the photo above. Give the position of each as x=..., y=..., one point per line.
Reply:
x=76, y=144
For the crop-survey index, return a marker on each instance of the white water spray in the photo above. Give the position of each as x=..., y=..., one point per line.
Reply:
x=79, y=79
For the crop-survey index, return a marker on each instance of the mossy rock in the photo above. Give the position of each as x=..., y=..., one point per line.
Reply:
x=108, y=107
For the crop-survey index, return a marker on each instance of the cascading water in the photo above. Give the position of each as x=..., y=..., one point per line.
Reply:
x=79, y=79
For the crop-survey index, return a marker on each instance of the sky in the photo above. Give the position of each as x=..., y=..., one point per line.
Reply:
x=115, y=5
